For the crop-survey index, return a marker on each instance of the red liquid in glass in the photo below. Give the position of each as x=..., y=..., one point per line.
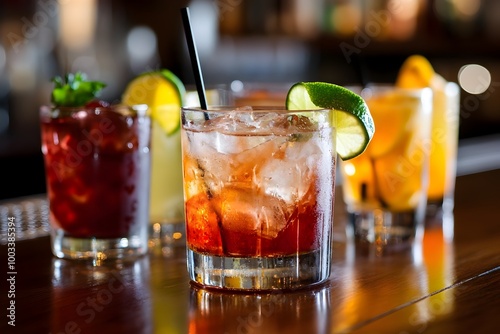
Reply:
x=92, y=170
x=206, y=235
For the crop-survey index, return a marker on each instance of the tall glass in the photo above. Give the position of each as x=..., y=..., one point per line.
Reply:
x=259, y=190
x=443, y=159
x=385, y=187
x=97, y=173
x=167, y=230
x=166, y=209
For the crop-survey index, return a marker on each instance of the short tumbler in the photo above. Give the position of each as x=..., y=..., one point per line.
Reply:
x=259, y=191
x=97, y=172
x=385, y=188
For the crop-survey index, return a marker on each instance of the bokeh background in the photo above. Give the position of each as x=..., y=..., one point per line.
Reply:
x=281, y=41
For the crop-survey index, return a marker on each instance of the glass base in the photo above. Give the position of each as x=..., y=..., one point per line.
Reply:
x=272, y=273
x=97, y=250
x=167, y=239
x=385, y=231
x=439, y=214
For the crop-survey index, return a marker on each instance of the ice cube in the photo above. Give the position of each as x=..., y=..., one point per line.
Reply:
x=227, y=144
x=245, y=123
x=301, y=123
x=230, y=122
x=251, y=211
x=288, y=175
x=264, y=122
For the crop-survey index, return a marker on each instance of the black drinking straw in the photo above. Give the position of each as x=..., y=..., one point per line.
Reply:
x=195, y=62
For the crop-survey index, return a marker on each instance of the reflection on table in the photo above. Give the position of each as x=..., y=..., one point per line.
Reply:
x=443, y=286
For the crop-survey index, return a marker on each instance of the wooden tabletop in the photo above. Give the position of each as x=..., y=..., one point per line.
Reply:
x=441, y=287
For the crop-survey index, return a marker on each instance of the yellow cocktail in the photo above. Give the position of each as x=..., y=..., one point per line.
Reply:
x=417, y=72
x=444, y=145
x=166, y=198
x=164, y=93
x=385, y=187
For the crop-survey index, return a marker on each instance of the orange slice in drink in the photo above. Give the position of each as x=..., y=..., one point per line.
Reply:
x=391, y=112
x=416, y=72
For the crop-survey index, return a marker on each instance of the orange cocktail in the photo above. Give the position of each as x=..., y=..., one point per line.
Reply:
x=444, y=135
x=385, y=187
x=417, y=72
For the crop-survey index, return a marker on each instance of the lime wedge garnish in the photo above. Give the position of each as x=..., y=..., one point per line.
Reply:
x=351, y=117
x=163, y=92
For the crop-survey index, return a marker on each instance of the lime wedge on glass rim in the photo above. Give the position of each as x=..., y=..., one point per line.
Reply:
x=163, y=92
x=351, y=117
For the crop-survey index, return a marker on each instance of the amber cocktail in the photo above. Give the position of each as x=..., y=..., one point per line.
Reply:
x=443, y=160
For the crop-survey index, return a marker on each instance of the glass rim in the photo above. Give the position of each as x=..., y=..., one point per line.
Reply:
x=51, y=111
x=141, y=106
x=452, y=88
x=255, y=109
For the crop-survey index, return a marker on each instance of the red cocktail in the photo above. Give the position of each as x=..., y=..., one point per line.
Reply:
x=259, y=188
x=97, y=172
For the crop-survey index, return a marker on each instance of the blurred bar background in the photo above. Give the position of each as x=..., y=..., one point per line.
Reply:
x=339, y=41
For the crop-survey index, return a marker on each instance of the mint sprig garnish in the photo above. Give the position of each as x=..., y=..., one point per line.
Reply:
x=74, y=90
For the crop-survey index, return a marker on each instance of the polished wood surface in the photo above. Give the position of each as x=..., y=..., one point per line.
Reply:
x=440, y=287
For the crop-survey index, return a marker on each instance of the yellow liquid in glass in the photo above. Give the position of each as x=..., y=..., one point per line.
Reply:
x=390, y=174
x=166, y=199
x=444, y=135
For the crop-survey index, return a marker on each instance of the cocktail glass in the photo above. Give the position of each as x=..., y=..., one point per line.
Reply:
x=166, y=209
x=259, y=190
x=385, y=188
x=443, y=159
x=168, y=231
x=97, y=174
